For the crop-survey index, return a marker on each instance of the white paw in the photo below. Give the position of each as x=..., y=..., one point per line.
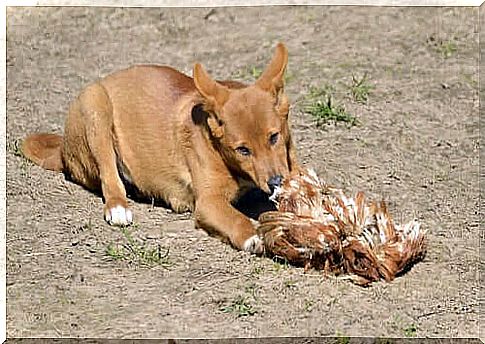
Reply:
x=119, y=216
x=254, y=245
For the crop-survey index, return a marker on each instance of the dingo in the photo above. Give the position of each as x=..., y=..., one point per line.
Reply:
x=197, y=144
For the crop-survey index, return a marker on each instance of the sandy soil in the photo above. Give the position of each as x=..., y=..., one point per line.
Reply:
x=416, y=146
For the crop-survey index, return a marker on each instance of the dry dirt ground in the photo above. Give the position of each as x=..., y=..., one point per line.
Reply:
x=416, y=145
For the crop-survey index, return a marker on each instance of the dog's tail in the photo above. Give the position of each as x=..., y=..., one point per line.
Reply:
x=44, y=150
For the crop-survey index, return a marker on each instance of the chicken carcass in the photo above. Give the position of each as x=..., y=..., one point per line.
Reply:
x=318, y=226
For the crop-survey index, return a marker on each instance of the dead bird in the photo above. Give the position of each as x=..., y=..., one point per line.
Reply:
x=317, y=226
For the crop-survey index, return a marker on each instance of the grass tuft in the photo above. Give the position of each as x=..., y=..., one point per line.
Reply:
x=134, y=252
x=248, y=73
x=115, y=253
x=410, y=331
x=324, y=111
x=446, y=48
x=239, y=306
x=360, y=89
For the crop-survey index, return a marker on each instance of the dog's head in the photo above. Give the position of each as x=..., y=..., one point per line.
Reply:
x=249, y=124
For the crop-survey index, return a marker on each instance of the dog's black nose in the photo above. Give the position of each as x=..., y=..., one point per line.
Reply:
x=275, y=181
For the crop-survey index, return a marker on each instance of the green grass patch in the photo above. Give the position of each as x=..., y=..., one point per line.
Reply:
x=360, y=89
x=138, y=252
x=240, y=306
x=410, y=331
x=325, y=112
x=447, y=49
x=254, y=72
x=115, y=253
x=321, y=106
x=248, y=73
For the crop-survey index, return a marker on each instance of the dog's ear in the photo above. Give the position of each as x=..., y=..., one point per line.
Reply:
x=214, y=94
x=273, y=77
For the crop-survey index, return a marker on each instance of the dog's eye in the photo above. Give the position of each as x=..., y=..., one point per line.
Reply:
x=273, y=138
x=243, y=150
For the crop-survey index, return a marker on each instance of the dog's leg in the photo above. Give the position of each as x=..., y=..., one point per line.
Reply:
x=98, y=118
x=220, y=218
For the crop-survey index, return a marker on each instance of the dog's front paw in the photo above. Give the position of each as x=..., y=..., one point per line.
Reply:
x=254, y=245
x=118, y=216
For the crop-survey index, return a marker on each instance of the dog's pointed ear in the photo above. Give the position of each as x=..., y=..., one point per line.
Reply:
x=273, y=77
x=215, y=94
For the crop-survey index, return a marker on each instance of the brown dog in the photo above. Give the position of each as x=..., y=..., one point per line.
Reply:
x=197, y=144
